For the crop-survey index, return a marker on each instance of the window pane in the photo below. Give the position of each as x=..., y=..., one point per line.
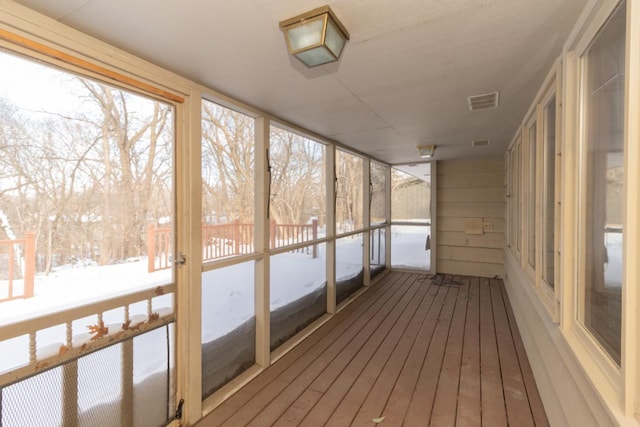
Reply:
x=548, y=231
x=410, y=197
x=228, y=324
x=297, y=191
x=349, y=266
x=378, y=193
x=531, y=199
x=298, y=291
x=227, y=182
x=86, y=176
x=349, y=192
x=377, y=248
x=604, y=144
x=409, y=246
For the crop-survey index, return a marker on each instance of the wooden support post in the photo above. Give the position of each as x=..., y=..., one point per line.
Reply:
x=126, y=402
x=151, y=247
x=315, y=237
x=272, y=233
x=12, y=263
x=236, y=237
x=70, y=393
x=29, y=263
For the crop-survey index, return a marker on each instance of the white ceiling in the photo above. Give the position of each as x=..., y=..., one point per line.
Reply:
x=403, y=79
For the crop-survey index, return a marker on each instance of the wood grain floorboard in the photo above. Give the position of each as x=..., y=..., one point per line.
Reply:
x=414, y=350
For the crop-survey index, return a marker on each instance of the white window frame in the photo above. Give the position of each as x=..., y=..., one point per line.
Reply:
x=530, y=178
x=549, y=295
x=513, y=194
x=618, y=387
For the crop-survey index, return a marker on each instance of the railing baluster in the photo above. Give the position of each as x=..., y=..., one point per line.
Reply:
x=11, y=271
x=32, y=348
x=126, y=404
x=69, y=334
x=70, y=393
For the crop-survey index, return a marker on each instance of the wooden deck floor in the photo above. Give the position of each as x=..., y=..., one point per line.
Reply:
x=419, y=352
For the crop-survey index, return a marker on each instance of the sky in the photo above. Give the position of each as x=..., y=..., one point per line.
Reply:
x=33, y=88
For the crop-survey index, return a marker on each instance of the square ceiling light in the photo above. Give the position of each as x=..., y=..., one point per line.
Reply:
x=316, y=37
x=426, y=151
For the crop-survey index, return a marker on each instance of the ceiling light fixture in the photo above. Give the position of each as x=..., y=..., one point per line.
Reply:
x=316, y=37
x=426, y=151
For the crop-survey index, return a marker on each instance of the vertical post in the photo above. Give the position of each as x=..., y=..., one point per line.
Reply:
x=387, y=218
x=12, y=263
x=264, y=233
x=272, y=233
x=330, y=225
x=314, y=224
x=236, y=237
x=29, y=263
x=70, y=394
x=151, y=247
x=126, y=402
x=433, y=213
x=366, y=218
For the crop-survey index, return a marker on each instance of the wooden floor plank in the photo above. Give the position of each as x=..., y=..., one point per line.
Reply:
x=402, y=392
x=417, y=354
x=361, y=367
x=361, y=333
x=421, y=405
x=299, y=358
x=299, y=409
x=468, y=412
x=424, y=336
x=446, y=399
x=515, y=394
x=376, y=399
x=493, y=410
x=535, y=402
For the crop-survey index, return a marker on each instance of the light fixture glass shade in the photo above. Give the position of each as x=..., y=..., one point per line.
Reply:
x=315, y=37
x=334, y=39
x=310, y=33
x=426, y=151
x=316, y=56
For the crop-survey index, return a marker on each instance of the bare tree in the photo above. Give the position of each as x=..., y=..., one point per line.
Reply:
x=130, y=142
x=349, y=203
x=297, y=183
x=227, y=164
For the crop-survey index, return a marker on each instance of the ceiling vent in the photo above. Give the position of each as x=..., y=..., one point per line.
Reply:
x=481, y=102
x=481, y=142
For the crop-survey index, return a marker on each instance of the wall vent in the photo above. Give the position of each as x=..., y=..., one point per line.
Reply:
x=481, y=142
x=481, y=102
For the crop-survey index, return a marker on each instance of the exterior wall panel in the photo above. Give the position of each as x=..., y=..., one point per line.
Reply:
x=471, y=189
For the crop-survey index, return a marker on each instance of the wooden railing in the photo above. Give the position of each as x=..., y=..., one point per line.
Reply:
x=225, y=240
x=290, y=234
x=159, y=246
x=80, y=338
x=29, y=256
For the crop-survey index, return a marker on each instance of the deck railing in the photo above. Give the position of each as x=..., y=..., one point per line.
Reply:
x=290, y=234
x=71, y=336
x=8, y=248
x=225, y=240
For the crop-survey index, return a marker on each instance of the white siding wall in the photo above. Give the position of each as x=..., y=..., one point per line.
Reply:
x=471, y=189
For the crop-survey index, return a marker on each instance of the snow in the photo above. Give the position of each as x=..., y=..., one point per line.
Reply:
x=613, y=269
x=227, y=294
x=408, y=247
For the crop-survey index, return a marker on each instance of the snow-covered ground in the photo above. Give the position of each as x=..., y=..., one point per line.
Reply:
x=408, y=247
x=228, y=294
x=613, y=269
